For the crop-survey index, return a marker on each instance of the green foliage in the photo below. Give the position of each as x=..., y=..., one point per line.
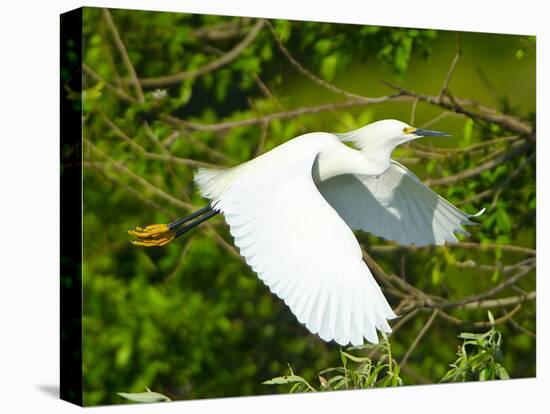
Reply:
x=356, y=372
x=479, y=357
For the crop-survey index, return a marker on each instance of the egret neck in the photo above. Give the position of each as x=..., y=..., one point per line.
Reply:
x=345, y=160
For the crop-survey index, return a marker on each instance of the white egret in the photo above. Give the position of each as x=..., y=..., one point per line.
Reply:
x=292, y=210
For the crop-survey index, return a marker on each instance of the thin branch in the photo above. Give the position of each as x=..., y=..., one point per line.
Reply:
x=438, y=118
x=480, y=324
x=445, y=88
x=403, y=320
x=209, y=67
x=495, y=303
x=124, y=54
x=471, y=264
x=267, y=93
x=151, y=155
x=152, y=188
x=464, y=245
x=148, y=202
x=521, y=328
x=457, y=105
x=474, y=172
x=500, y=186
x=420, y=335
x=309, y=74
x=390, y=280
x=421, y=379
x=229, y=247
x=223, y=126
x=222, y=31
x=413, y=112
x=454, y=151
x=116, y=90
x=493, y=291
x=181, y=260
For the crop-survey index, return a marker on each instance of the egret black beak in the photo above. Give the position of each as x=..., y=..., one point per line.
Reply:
x=427, y=133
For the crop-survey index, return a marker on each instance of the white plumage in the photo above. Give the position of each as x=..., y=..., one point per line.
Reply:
x=291, y=211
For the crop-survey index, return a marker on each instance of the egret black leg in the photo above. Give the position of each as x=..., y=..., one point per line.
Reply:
x=190, y=217
x=182, y=230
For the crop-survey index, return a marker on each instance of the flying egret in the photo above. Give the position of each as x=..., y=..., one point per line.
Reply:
x=292, y=210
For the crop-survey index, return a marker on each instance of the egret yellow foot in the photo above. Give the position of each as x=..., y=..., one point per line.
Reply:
x=152, y=235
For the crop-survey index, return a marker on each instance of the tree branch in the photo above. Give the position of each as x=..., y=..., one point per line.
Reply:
x=491, y=292
x=464, y=245
x=445, y=88
x=151, y=155
x=223, y=126
x=124, y=54
x=420, y=335
x=495, y=303
x=457, y=105
x=155, y=190
x=309, y=74
x=209, y=67
x=473, y=172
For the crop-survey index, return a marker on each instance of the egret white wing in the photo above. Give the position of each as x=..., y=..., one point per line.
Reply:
x=299, y=246
x=396, y=206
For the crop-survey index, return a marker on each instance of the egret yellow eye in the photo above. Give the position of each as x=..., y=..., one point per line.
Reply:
x=408, y=130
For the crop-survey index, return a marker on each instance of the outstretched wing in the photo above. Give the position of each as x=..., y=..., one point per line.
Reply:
x=395, y=206
x=300, y=247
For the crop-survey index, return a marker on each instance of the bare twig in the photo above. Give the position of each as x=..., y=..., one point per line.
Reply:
x=445, y=88
x=464, y=245
x=267, y=93
x=124, y=54
x=495, y=303
x=458, y=105
x=209, y=67
x=420, y=335
x=403, y=320
x=480, y=324
x=497, y=189
x=473, y=172
x=413, y=111
x=154, y=156
x=152, y=188
x=491, y=292
x=148, y=202
x=222, y=31
x=392, y=279
x=521, y=328
x=456, y=151
x=116, y=90
x=309, y=74
x=223, y=126
x=438, y=118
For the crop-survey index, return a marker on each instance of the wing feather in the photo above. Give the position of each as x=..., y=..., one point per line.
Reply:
x=395, y=206
x=299, y=246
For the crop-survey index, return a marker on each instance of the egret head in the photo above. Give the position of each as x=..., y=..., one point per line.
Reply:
x=388, y=133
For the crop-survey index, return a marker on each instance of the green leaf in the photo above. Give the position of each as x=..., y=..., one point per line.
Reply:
x=502, y=373
x=467, y=133
x=491, y=318
x=328, y=67
x=354, y=358
x=287, y=379
x=503, y=220
x=144, y=397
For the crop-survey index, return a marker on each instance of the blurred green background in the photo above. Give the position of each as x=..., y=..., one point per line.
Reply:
x=190, y=319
